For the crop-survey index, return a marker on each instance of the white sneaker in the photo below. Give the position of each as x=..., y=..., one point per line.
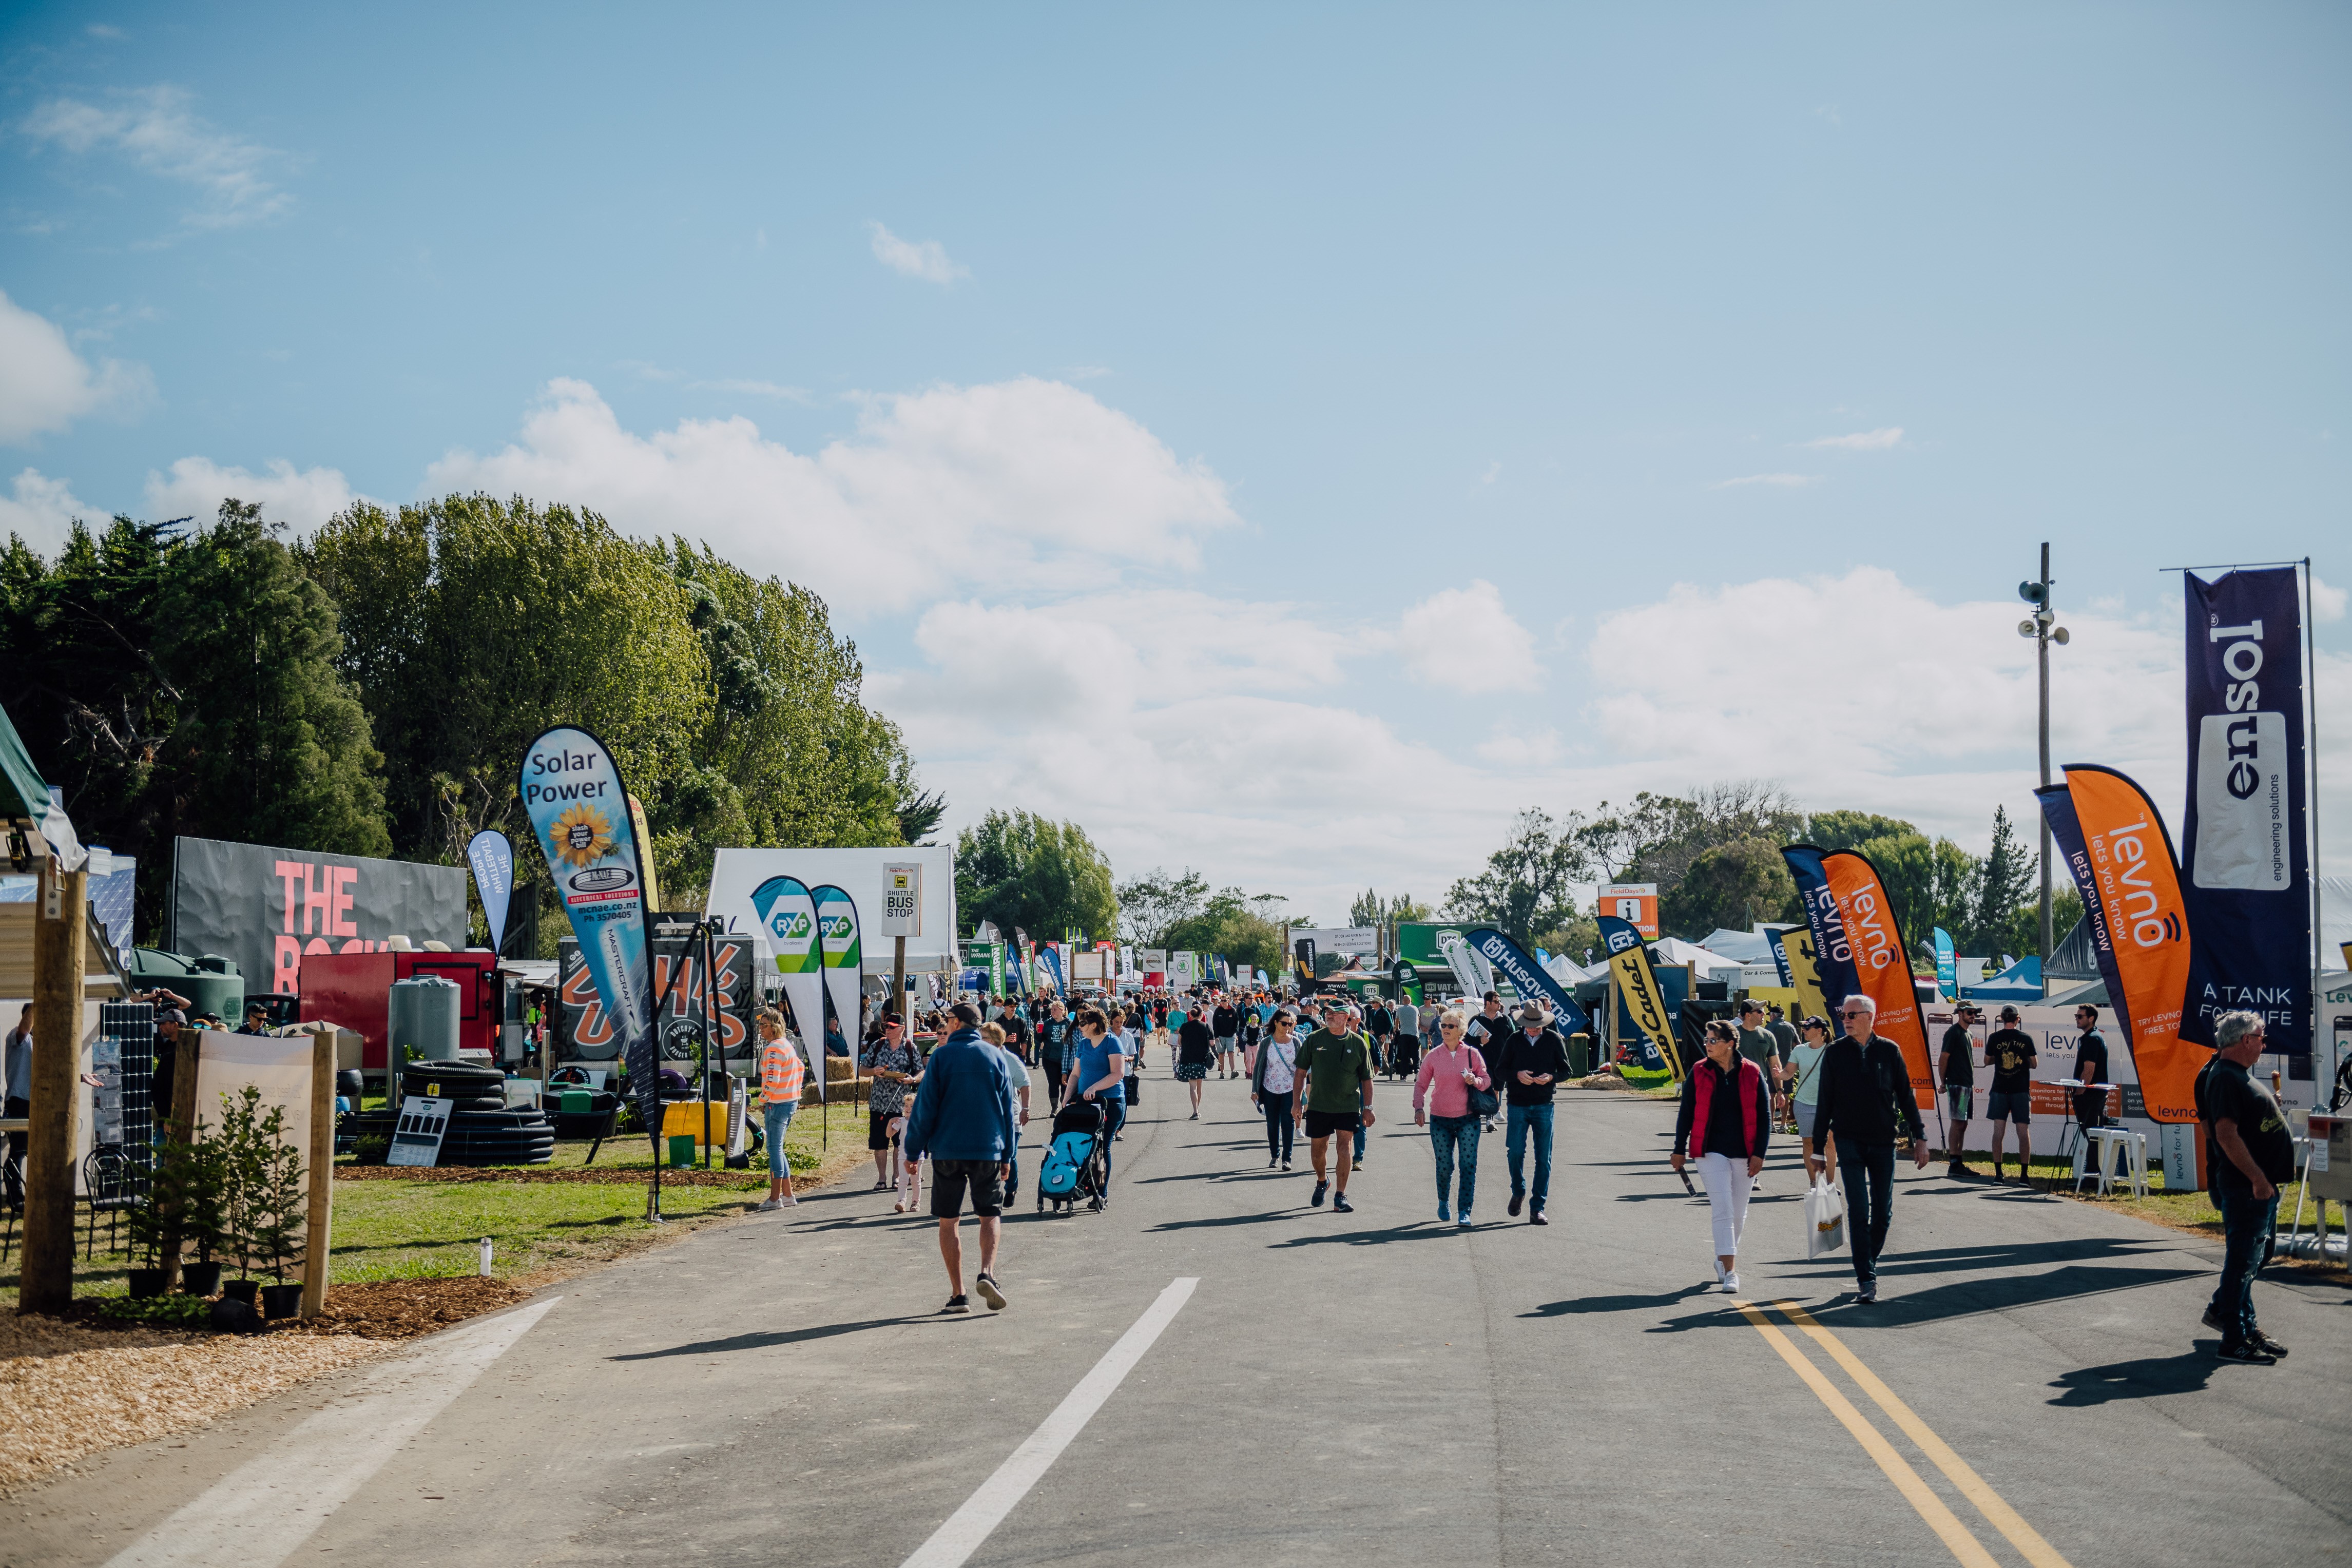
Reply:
x=771, y=1205
x=1718, y=1272
x=1731, y=1283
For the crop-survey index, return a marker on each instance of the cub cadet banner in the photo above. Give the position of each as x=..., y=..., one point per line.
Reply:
x=1857, y=939
x=2246, y=858
x=1801, y=971
x=787, y=912
x=2116, y=845
x=571, y=791
x=1527, y=978
x=1638, y=990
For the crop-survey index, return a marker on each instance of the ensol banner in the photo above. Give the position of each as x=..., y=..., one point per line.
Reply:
x=1639, y=992
x=787, y=912
x=1856, y=935
x=1527, y=978
x=571, y=791
x=2121, y=856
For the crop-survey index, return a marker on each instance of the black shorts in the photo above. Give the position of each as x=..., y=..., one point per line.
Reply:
x=877, y=1128
x=949, y=1179
x=1323, y=1123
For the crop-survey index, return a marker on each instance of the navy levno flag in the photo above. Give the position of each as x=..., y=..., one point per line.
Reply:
x=2245, y=862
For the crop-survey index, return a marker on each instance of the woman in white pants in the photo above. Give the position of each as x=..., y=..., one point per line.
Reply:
x=1726, y=1124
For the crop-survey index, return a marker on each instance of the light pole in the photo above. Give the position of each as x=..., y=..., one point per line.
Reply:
x=2041, y=628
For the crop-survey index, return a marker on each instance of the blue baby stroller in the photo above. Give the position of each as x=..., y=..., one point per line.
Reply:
x=1074, y=1160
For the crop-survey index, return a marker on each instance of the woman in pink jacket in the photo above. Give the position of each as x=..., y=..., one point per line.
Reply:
x=1441, y=1103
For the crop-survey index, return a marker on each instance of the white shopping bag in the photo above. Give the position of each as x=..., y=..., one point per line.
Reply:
x=1824, y=1220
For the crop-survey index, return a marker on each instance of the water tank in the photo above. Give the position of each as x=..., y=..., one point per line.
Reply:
x=211, y=983
x=423, y=1013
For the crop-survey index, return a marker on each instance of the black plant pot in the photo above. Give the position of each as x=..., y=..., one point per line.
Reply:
x=281, y=1300
x=146, y=1282
x=200, y=1279
x=241, y=1291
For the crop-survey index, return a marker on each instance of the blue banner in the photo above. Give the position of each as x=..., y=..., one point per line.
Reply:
x=579, y=812
x=2245, y=864
x=1050, y=961
x=1781, y=961
x=492, y=859
x=1948, y=965
x=1527, y=978
x=1832, y=950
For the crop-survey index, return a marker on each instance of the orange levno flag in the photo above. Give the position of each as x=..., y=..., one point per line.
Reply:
x=2122, y=859
x=1882, y=965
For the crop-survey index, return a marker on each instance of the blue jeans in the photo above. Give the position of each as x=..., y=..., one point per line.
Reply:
x=2247, y=1222
x=1867, y=1174
x=779, y=1119
x=1448, y=1135
x=1517, y=1123
x=1114, y=1118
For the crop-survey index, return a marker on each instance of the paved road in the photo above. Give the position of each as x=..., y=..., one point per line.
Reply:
x=1364, y=1389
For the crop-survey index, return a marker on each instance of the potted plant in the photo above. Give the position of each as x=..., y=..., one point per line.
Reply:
x=239, y=1157
x=183, y=1210
x=281, y=1211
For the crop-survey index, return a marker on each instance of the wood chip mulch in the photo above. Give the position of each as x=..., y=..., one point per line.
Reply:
x=402, y=1309
x=613, y=1175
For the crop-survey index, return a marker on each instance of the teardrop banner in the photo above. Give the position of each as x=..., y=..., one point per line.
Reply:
x=1527, y=978
x=787, y=912
x=1638, y=990
x=842, y=944
x=578, y=808
x=492, y=859
x=2116, y=846
x=1859, y=948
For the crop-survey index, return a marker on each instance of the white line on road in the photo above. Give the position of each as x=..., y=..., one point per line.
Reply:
x=969, y=1525
x=265, y=1508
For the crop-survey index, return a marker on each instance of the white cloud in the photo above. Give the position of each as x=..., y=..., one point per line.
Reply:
x=196, y=487
x=927, y=259
x=41, y=509
x=1863, y=439
x=154, y=129
x=1465, y=638
x=2327, y=602
x=44, y=386
x=1778, y=479
x=1025, y=481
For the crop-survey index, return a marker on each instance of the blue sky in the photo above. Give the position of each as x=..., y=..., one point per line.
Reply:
x=1287, y=440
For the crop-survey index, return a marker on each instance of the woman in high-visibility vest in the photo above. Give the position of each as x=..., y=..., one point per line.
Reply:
x=782, y=1074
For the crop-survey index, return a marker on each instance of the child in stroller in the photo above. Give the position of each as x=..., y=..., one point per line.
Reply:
x=1075, y=1161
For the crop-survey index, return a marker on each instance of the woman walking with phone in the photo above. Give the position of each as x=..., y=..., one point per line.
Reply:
x=1724, y=1124
x=1273, y=1083
x=1445, y=1087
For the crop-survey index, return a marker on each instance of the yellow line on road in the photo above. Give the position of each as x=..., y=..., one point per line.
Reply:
x=1972, y=1485
x=1941, y=1520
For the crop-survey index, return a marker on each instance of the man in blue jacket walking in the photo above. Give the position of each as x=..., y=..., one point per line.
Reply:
x=962, y=1118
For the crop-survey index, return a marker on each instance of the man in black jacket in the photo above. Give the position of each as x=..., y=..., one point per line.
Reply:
x=1535, y=1059
x=1226, y=1023
x=1866, y=1101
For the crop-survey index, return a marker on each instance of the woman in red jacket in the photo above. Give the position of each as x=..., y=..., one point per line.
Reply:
x=1725, y=1124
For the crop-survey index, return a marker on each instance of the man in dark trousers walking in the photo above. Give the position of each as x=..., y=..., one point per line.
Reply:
x=1866, y=1101
x=1535, y=1059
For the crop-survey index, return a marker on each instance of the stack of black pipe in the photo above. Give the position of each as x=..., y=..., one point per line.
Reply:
x=482, y=1130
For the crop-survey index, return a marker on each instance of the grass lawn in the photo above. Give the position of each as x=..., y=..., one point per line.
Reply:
x=398, y=1229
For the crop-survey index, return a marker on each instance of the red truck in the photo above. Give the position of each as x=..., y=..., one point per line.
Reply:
x=354, y=990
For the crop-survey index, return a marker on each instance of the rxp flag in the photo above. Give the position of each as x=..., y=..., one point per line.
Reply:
x=1948, y=965
x=787, y=914
x=1643, y=999
x=2116, y=845
x=572, y=792
x=2245, y=857
x=1527, y=977
x=842, y=946
x=1859, y=948
x=492, y=859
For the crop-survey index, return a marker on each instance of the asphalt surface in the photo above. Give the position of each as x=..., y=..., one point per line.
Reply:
x=1364, y=1388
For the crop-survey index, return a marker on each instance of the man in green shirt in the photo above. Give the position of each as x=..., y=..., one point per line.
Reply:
x=1335, y=1095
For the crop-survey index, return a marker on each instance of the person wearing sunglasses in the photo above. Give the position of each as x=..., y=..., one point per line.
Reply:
x=1868, y=1103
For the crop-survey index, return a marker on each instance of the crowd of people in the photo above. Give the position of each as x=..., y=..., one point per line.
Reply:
x=959, y=1110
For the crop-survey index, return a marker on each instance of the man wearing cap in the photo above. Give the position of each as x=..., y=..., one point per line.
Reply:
x=2008, y=1051
x=1535, y=1059
x=1958, y=1077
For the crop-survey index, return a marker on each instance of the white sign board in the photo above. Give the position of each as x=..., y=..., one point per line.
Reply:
x=416, y=1137
x=858, y=872
x=902, y=899
x=1346, y=940
x=1183, y=968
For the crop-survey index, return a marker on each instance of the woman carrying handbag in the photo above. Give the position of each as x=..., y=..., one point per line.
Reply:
x=1724, y=1124
x=1451, y=1095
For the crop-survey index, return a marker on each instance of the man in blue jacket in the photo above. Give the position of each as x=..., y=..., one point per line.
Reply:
x=962, y=1118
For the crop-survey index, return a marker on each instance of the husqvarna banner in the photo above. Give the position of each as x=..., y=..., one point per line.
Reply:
x=1643, y=999
x=1527, y=978
x=2245, y=860
x=2115, y=844
x=1860, y=948
x=787, y=912
x=579, y=812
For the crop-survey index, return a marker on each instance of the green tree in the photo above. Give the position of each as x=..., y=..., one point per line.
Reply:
x=1028, y=873
x=1371, y=909
x=2004, y=886
x=1155, y=903
x=1527, y=885
x=1850, y=830
x=1930, y=882
x=1227, y=924
x=1730, y=885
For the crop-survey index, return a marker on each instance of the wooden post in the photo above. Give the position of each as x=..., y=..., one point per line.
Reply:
x=898, y=985
x=45, y=1284
x=320, y=1228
